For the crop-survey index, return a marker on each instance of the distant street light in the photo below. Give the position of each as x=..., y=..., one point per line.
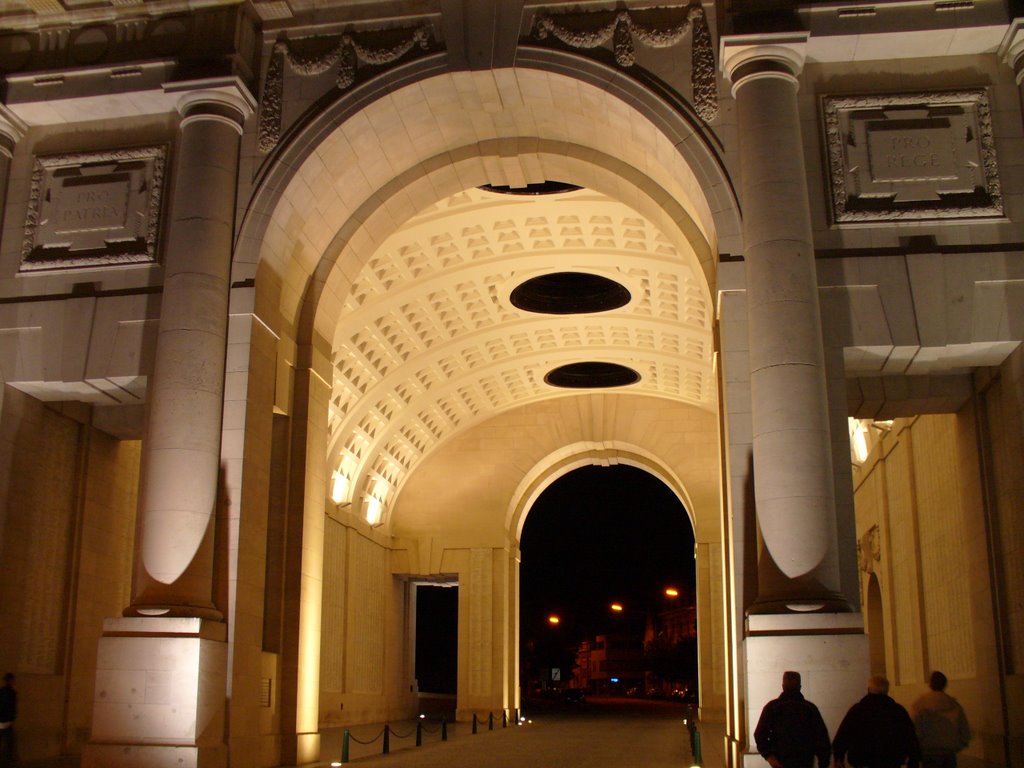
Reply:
x=617, y=607
x=553, y=620
x=671, y=592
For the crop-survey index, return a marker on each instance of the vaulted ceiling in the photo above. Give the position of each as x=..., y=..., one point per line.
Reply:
x=429, y=343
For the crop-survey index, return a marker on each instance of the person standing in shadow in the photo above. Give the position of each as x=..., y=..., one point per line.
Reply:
x=941, y=725
x=791, y=732
x=877, y=732
x=8, y=714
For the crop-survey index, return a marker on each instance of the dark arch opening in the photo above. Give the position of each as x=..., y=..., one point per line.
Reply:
x=597, y=536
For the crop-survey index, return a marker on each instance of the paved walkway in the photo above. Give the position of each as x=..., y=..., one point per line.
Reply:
x=602, y=732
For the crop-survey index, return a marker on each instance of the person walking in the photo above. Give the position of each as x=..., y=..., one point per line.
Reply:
x=791, y=732
x=876, y=732
x=941, y=725
x=8, y=714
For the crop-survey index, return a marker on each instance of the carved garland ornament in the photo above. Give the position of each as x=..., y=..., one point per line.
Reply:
x=591, y=29
x=346, y=52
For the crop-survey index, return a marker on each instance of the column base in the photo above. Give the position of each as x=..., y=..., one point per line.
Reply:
x=160, y=693
x=830, y=651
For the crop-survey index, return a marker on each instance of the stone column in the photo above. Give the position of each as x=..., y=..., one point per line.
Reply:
x=162, y=669
x=181, y=450
x=1011, y=51
x=800, y=619
x=798, y=568
x=9, y=136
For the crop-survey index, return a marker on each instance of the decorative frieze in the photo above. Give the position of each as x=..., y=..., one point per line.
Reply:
x=316, y=56
x=658, y=27
x=911, y=156
x=94, y=209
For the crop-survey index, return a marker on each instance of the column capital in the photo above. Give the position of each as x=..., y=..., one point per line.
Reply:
x=1012, y=47
x=225, y=100
x=746, y=57
x=11, y=131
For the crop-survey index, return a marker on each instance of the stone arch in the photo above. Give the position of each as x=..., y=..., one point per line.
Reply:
x=297, y=216
x=563, y=461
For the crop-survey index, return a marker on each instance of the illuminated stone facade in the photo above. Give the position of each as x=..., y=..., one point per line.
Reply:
x=262, y=373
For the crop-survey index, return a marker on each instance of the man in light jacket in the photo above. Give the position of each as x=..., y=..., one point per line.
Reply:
x=941, y=725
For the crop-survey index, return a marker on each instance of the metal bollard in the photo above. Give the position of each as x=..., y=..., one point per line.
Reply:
x=444, y=729
x=490, y=721
x=504, y=718
x=344, y=746
x=474, y=723
x=387, y=738
x=691, y=726
x=419, y=733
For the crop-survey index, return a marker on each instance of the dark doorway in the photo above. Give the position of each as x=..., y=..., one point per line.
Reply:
x=597, y=537
x=437, y=625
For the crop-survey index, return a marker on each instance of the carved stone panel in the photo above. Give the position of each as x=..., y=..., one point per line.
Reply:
x=911, y=156
x=94, y=209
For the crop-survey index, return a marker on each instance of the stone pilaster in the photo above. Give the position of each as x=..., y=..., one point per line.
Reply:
x=181, y=450
x=794, y=493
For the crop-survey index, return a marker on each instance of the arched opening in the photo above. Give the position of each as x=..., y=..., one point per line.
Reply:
x=607, y=588
x=407, y=348
x=875, y=627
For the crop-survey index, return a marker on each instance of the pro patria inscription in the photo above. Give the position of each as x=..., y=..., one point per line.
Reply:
x=93, y=206
x=93, y=209
x=915, y=156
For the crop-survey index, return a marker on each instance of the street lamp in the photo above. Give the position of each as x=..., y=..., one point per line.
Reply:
x=553, y=620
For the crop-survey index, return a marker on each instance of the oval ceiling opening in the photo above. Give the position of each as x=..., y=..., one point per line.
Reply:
x=569, y=293
x=591, y=375
x=542, y=188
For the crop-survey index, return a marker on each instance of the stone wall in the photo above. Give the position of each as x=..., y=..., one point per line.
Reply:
x=926, y=533
x=66, y=549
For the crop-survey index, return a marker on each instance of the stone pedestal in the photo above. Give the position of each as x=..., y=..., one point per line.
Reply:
x=829, y=650
x=159, y=700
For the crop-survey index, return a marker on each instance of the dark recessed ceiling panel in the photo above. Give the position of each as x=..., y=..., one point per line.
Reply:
x=591, y=375
x=569, y=293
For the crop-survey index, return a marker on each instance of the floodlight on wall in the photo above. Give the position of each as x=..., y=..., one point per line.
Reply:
x=339, y=488
x=374, y=510
x=860, y=440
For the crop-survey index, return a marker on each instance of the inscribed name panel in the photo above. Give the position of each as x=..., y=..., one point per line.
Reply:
x=94, y=209
x=911, y=156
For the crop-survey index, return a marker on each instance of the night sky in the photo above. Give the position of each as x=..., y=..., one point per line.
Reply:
x=598, y=535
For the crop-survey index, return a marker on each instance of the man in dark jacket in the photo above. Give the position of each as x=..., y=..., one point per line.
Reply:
x=877, y=732
x=790, y=732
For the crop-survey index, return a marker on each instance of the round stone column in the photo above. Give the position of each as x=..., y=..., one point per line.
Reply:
x=9, y=136
x=798, y=568
x=180, y=473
